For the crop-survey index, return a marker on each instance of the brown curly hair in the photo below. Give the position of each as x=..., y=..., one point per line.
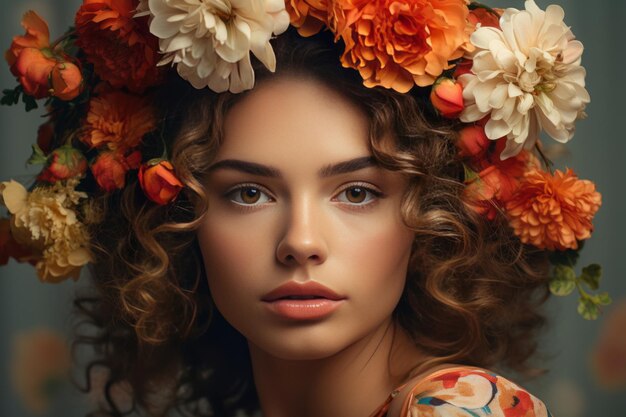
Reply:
x=472, y=295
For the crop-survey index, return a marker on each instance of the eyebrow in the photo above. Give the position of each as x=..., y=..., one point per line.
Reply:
x=330, y=170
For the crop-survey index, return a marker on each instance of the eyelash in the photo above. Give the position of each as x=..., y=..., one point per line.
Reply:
x=368, y=188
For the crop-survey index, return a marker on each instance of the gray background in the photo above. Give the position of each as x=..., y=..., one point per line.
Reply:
x=597, y=153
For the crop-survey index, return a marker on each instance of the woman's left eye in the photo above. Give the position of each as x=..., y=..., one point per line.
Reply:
x=358, y=195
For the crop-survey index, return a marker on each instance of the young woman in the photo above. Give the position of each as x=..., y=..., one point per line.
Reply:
x=317, y=252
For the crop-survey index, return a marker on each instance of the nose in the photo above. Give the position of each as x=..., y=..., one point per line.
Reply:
x=302, y=241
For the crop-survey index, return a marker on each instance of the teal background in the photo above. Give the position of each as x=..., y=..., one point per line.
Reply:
x=597, y=153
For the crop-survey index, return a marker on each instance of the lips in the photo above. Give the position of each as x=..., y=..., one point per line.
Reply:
x=307, y=291
x=306, y=302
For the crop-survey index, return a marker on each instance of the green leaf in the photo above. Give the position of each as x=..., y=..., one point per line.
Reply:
x=591, y=276
x=30, y=102
x=11, y=97
x=602, y=299
x=37, y=157
x=588, y=309
x=563, y=280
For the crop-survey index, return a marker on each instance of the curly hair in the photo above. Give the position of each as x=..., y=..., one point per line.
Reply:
x=472, y=295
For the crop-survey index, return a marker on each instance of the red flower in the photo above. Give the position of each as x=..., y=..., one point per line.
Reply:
x=473, y=142
x=110, y=169
x=120, y=46
x=484, y=16
x=32, y=68
x=159, y=182
x=447, y=97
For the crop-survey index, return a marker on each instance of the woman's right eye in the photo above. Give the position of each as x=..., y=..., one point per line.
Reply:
x=248, y=195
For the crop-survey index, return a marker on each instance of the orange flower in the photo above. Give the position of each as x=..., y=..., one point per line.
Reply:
x=110, y=169
x=66, y=80
x=120, y=47
x=118, y=120
x=447, y=97
x=309, y=16
x=159, y=182
x=33, y=68
x=37, y=37
x=555, y=211
x=397, y=44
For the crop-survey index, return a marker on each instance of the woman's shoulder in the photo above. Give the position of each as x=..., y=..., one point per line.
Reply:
x=464, y=391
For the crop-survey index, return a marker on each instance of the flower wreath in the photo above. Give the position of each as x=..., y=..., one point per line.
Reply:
x=505, y=74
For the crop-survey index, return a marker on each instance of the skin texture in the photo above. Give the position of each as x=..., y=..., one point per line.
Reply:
x=297, y=225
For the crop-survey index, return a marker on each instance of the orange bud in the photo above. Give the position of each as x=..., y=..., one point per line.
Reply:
x=485, y=17
x=159, y=182
x=447, y=97
x=473, y=142
x=67, y=81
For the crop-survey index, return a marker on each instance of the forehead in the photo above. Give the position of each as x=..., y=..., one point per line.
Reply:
x=299, y=119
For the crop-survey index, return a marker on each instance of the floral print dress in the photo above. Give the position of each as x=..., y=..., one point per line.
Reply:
x=466, y=392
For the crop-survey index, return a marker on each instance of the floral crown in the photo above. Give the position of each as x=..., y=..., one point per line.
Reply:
x=504, y=75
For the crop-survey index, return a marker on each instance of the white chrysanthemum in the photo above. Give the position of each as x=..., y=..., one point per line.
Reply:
x=210, y=41
x=45, y=221
x=526, y=77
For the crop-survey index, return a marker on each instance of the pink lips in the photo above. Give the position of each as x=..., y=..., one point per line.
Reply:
x=308, y=301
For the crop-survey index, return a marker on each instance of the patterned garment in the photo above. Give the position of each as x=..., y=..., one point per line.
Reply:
x=467, y=392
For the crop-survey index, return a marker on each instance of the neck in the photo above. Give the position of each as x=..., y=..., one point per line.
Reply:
x=351, y=383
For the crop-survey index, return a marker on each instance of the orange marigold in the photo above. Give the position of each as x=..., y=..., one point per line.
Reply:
x=309, y=16
x=118, y=120
x=555, y=211
x=400, y=43
x=120, y=47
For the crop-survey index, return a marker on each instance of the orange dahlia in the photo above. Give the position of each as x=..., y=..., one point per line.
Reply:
x=555, y=211
x=118, y=120
x=120, y=47
x=400, y=43
x=309, y=16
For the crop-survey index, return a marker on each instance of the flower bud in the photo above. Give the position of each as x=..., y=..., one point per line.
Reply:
x=447, y=97
x=159, y=182
x=473, y=141
x=66, y=80
x=33, y=68
x=64, y=163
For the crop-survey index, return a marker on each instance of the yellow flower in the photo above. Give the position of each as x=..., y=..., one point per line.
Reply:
x=45, y=221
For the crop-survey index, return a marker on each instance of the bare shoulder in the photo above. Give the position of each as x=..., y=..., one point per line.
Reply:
x=463, y=391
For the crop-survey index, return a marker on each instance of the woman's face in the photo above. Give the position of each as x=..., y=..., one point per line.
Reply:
x=304, y=246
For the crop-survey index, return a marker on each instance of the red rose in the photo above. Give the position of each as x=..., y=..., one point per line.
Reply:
x=159, y=182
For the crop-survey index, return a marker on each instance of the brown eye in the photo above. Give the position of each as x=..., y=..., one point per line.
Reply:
x=248, y=196
x=356, y=194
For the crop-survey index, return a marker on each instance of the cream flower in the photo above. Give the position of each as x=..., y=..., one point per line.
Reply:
x=526, y=76
x=45, y=221
x=210, y=41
